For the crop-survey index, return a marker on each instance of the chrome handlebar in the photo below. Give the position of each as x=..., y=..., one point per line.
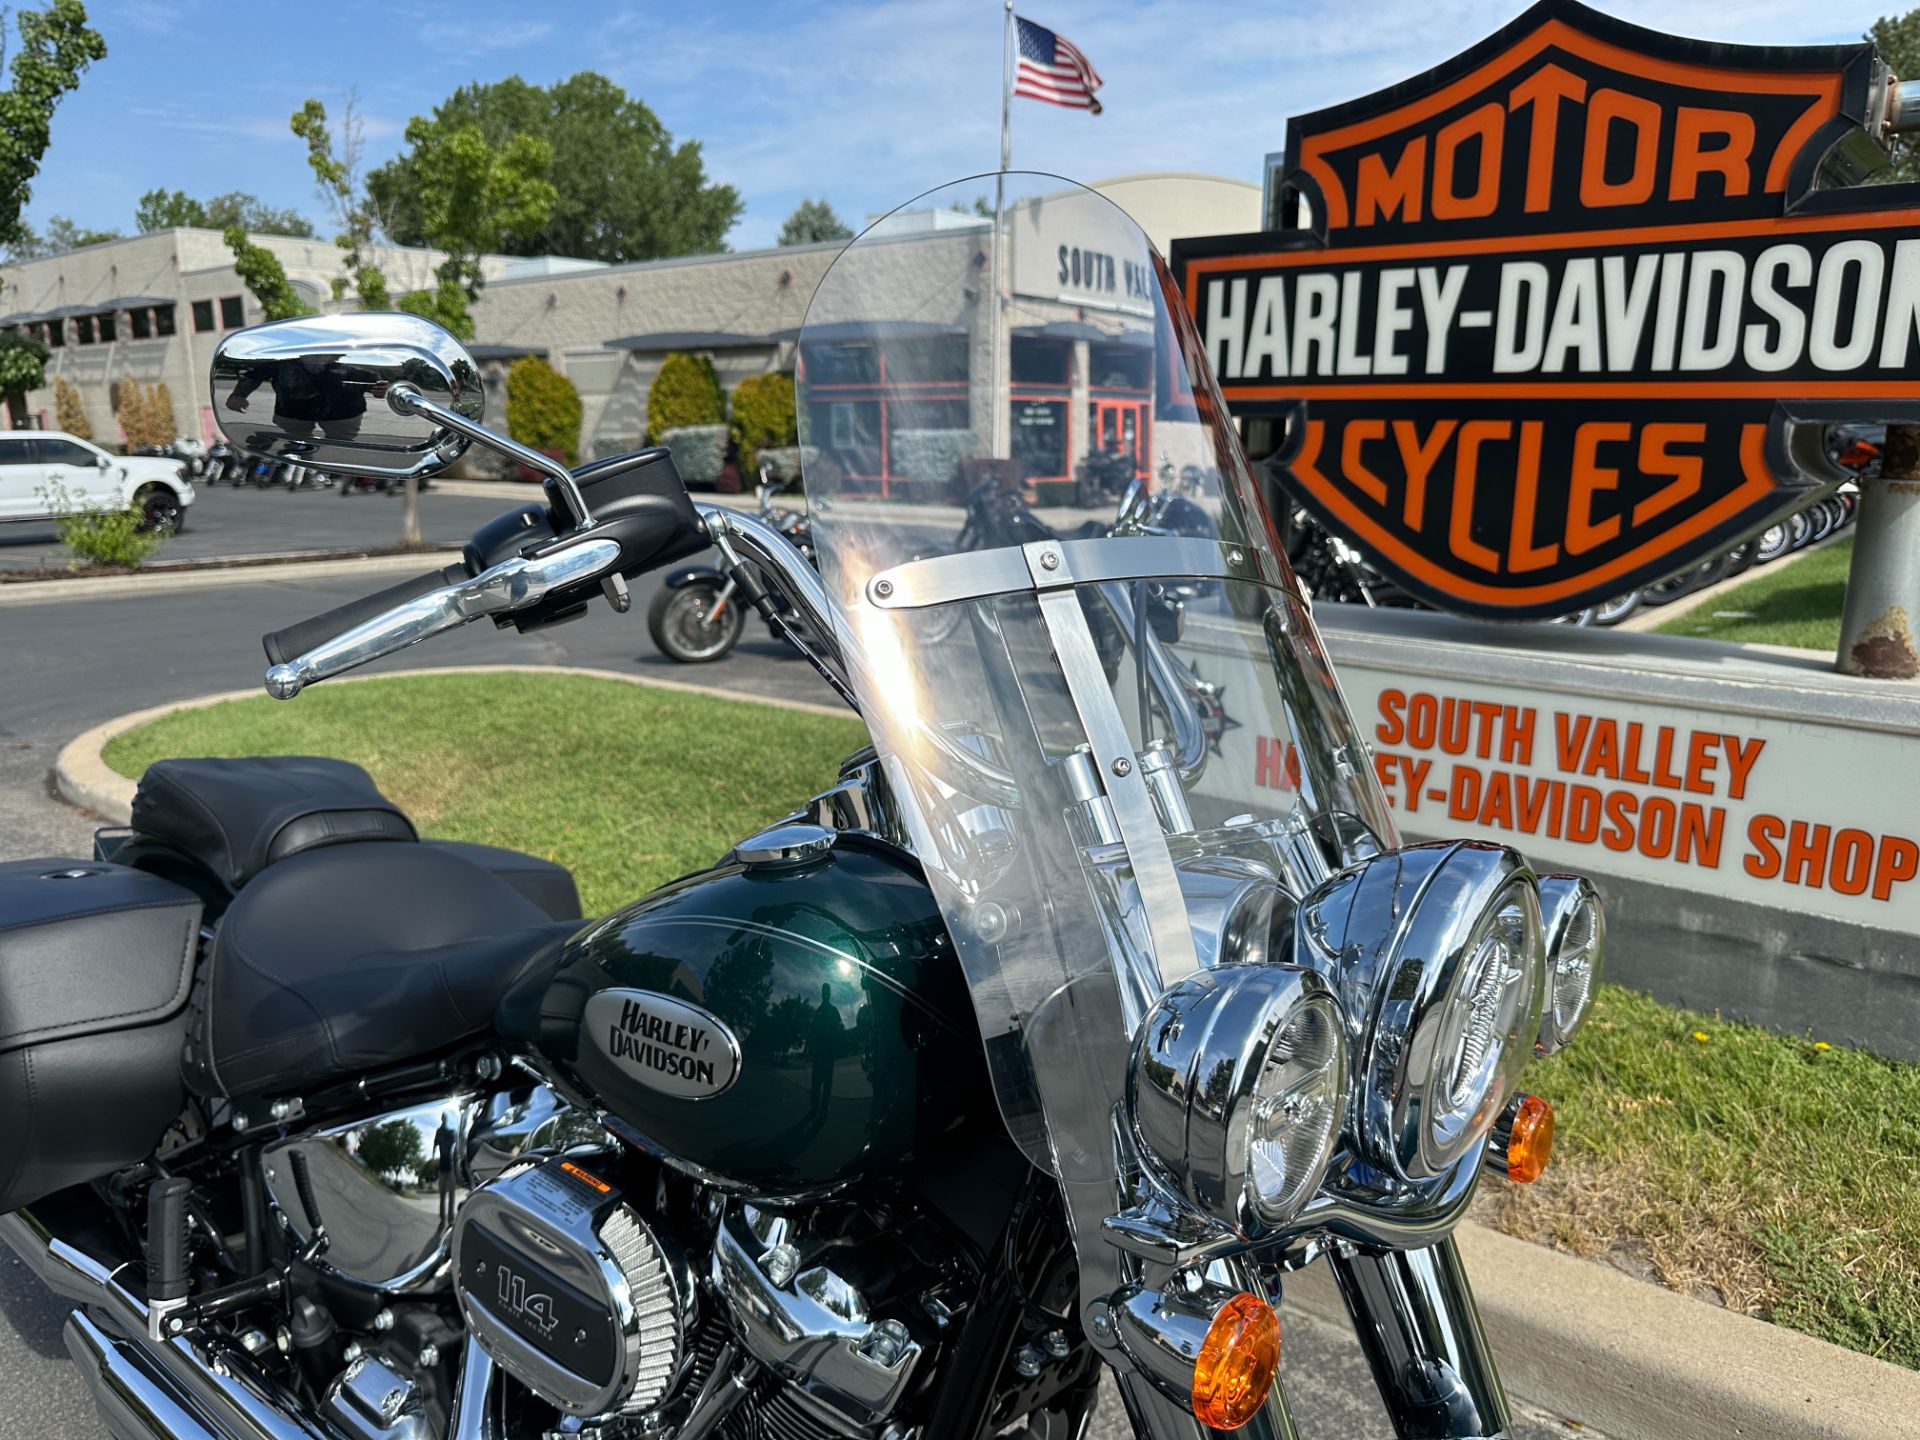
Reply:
x=511, y=585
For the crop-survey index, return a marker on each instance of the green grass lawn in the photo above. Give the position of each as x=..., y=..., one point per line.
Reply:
x=1792, y=602
x=1776, y=1174
x=626, y=786
x=1772, y=1173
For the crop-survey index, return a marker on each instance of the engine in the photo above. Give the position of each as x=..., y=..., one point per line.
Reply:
x=623, y=1293
x=569, y=1290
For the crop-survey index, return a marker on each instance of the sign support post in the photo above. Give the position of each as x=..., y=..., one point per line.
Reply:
x=1883, y=582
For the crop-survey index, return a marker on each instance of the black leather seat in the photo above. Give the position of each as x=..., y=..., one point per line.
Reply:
x=213, y=825
x=354, y=958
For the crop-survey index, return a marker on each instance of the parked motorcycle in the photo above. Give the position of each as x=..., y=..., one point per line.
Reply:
x=698, y=614
x=1044, y=1044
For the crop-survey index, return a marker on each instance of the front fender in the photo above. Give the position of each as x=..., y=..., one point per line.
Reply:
x=694, y=575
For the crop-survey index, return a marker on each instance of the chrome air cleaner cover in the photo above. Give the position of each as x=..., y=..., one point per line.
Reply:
x=563, y=1284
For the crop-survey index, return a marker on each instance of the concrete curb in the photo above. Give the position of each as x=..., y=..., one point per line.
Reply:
x=85, y=780
x=46, y=592
x=1633, y=1361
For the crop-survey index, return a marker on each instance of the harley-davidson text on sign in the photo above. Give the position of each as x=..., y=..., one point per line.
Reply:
x=1567, y=294
x=1755, y=809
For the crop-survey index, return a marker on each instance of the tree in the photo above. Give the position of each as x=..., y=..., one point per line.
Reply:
x=261, y=272
x=811, y=222
x=166, y=209
x=543, y=408
x=56, y=44
x=62, y=235
x=623, y=189
x=337, y=168
x=23, y=367
x=474, y=197
x=68, y=411
x=1897, y=37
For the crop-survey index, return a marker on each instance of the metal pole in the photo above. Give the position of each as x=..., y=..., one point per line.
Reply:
x=997, y=401
x=1883, y=582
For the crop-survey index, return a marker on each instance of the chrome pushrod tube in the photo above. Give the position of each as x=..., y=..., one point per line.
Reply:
x=1414, y=1314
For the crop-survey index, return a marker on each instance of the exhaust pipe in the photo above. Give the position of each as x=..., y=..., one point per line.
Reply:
x=134, y=1402
x=174, y=1388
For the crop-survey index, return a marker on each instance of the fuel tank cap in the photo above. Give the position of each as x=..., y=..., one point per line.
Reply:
x=785, y=846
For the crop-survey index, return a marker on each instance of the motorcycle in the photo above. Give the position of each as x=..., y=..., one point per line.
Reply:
x=695, y=617
x=1041, y=1046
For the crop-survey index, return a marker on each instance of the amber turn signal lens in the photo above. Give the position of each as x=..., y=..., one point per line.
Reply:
x=1531, y=1142
x=1237, y=1363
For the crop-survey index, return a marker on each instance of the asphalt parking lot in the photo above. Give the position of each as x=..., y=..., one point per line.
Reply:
x=224, y=521
x=70, y=664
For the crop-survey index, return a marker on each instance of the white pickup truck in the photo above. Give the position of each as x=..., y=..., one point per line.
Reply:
x=37, y=464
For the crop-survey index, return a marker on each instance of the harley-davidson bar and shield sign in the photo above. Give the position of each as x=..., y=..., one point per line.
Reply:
x=1557, y=304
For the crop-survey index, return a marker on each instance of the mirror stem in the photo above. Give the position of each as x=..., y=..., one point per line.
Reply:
x=406, y=400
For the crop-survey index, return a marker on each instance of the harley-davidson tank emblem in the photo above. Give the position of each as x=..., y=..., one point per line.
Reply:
x=665, y=1044
x=1565, y=314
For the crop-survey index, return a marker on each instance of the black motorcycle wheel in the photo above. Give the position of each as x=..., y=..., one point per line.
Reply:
x=677, y=620
x=160, y=510
x=1799, y=530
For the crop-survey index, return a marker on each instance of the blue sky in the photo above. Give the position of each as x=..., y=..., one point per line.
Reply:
x=866, y=104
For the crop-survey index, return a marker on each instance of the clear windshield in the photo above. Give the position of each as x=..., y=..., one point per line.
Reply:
x=1080, y=652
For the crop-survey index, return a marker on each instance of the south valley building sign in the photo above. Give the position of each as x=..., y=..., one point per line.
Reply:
x=1562, y=316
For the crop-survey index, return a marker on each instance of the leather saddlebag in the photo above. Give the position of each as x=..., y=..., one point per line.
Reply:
x=96, y=963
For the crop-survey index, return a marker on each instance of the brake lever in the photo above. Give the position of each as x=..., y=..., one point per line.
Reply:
x=511, y=585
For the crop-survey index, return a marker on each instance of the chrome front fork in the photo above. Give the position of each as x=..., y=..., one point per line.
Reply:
x=1419, y=1329
x=1414, y=1314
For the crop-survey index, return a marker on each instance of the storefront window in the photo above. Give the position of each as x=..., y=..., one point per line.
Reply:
x=141, y=323
x=842, y=364
x=1040, y=438
x=1040, y=362
x=163, y=319
x=928, y=360
x=83, y=330
x=202, y=316
x=233, y=314
x=1115, y=367
x=56, y=334
x=106, y=325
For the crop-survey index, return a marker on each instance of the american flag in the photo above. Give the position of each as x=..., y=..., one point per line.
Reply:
x=1050, y=69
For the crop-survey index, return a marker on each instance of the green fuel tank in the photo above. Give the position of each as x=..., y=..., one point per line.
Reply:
x=787, y=1022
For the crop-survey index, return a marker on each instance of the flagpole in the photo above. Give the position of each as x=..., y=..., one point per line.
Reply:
x=997, y=428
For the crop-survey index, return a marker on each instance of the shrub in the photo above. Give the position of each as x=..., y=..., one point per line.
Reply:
x=762, y=416
x=98, y=537
x=930, y=457
x=68, y=412
x=161, y=424
x=699, y=452
x=605, y=447
x=686, y=392
x=543, y=408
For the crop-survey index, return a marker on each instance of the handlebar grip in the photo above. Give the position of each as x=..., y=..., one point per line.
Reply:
x=300, y=637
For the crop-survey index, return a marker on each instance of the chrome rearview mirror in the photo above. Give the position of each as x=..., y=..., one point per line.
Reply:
x=345, y=392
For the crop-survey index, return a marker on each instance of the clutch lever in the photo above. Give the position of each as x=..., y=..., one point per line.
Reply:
x=511, y=585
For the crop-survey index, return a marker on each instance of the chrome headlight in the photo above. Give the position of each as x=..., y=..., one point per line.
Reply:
x=1438, y=955
x=1238, y=1090
x=1576, y=930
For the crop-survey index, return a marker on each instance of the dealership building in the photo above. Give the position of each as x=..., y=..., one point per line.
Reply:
x=152, y=307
